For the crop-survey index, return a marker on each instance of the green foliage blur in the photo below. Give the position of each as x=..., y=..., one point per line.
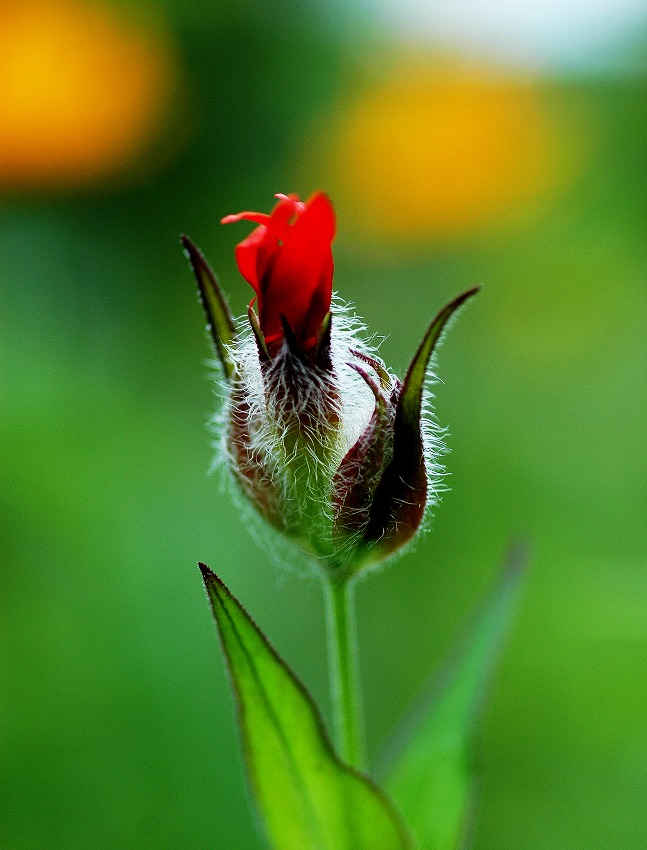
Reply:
x=116, y=721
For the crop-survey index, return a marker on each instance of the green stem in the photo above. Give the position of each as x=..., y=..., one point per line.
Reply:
x=342, y=654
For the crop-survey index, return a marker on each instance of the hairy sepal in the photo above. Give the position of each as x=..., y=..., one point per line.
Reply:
x=381, y=488
x=220, y=321
x=290, y=420
x=400, y=498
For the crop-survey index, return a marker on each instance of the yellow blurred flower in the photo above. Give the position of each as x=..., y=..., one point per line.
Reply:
x=82, y=92
x=433, y=151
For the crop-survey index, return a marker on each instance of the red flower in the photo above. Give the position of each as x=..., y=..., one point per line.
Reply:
x=288, y=261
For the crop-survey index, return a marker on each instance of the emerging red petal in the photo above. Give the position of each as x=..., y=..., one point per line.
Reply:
x=300, y=286
x=247, y=253
x=288, y=261
x=259, y=218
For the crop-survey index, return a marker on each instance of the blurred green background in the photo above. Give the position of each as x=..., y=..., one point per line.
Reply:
x=518, y=164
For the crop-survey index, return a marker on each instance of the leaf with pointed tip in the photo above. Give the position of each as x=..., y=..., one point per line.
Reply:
x=431, y=780
x=308, y=798
x=219, y=317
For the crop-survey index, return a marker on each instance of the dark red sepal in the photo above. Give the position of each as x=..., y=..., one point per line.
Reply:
x=399, y=500
x=359, y=473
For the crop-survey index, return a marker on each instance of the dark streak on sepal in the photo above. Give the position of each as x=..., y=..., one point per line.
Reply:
x=219, y=317
x=354, y=483
x=294, y=347
x=322, y=356
x=263, y=353
x=385, y=378
x=370, y=382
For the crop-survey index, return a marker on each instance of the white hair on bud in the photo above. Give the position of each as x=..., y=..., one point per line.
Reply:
x=299, y=389
x=332, y=409
x=434, y=446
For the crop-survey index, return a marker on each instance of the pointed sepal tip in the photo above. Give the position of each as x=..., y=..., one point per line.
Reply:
x=216, y=307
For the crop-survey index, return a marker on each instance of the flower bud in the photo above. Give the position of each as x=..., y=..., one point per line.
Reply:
x=326, y=444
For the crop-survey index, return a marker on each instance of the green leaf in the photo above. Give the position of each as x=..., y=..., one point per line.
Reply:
x=308, y=798
x=219, y=318
x=432, y=778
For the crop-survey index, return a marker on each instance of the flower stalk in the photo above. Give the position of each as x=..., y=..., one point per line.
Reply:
x=344, y=673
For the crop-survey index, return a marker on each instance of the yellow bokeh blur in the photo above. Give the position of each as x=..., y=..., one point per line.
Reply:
x=434, y=150
x=82, y=92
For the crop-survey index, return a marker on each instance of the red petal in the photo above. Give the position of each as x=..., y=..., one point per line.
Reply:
x=247, y=255
x=288, y=261
x=299, y=282
x=253, y=253
x=289, y=207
